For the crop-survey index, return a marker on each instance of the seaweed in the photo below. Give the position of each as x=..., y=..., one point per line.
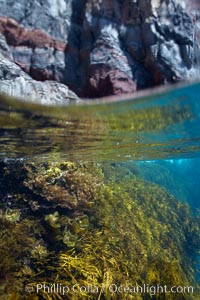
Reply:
x=99, y=237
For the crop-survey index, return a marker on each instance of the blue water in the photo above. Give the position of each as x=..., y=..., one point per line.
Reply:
x=164, y=124
x=179, y=176
x=153, y=137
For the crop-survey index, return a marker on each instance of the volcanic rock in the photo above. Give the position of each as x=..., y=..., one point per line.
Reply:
x=101, y=47
x=15, y=82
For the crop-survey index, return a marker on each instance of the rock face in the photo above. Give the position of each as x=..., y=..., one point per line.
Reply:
x=15, y=82
x=100, y=47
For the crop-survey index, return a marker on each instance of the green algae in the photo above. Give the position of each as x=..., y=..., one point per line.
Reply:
x=80, y=226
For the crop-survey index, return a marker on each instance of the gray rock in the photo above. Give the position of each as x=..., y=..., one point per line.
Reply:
x=142, y=43
x=4, y=48
x=153, y=38
x=15, y=82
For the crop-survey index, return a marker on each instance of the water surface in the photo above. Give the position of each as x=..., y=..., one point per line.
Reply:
x=101, y=196
x=162, y=125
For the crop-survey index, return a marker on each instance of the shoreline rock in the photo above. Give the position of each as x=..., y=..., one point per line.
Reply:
x=100, y=48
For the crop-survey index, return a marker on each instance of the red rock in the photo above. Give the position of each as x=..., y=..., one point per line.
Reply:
x=41, y=74
x=22, y=38
x=16, y=35
x=105, y=82
x=110, y=44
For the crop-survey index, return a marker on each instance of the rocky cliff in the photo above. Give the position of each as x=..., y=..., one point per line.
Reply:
x=96, y=47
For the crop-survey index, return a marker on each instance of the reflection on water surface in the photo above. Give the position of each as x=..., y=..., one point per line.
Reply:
x=164, y=125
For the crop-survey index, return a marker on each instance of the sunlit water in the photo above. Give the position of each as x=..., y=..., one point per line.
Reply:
x=163, y=125
x=159, y=133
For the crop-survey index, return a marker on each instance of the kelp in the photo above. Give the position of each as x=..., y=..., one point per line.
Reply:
x=77, y=231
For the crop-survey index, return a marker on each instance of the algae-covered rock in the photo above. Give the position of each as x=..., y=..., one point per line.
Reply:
x=103, y=239
x=17, y=245
x=151, y=224
x=64, y=185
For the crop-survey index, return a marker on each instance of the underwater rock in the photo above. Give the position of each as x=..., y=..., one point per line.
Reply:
x=63, y=185
x=18, y=244
x=122, y=229
x=100, y=48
